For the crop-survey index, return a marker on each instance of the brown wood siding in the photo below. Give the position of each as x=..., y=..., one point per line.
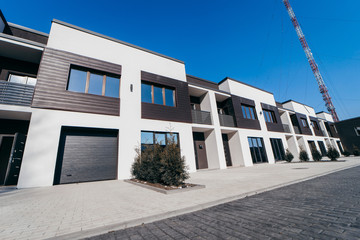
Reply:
x=273, y=127
x=303, y=130
x=17, y=32
x=240, y=121
x=180, y=113
x=316, y=131
x=201, y=82
x=50, y=90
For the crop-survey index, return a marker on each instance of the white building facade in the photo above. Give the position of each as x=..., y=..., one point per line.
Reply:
x=75, y=104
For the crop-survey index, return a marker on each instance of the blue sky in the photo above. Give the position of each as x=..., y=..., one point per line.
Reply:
x=252, y=41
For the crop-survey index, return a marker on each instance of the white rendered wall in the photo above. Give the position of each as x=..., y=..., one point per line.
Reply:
x=300, y=108
x=325, y=116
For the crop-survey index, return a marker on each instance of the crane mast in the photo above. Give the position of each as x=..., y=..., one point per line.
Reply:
x=314, y=67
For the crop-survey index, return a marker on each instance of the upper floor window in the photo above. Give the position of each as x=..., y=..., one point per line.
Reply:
x=269, y=116
x=334, y=128
x=304, y=123
x=357, y=131
x=15, y=78
x=157, y=94
x=248, y=112
x=314, y=124
x=94, y=82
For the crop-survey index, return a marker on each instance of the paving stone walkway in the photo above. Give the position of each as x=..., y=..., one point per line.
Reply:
x=327, y=207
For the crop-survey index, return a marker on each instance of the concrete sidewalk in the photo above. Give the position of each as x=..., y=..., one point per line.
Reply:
x=80, y=210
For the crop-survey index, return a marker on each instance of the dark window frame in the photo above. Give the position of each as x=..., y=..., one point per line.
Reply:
x=303, y=120
x=249, y=110
x=163, y=88
x=154, y=138
x=314, y=124
x=269, y=116
x=357, y=131
x=88, y=72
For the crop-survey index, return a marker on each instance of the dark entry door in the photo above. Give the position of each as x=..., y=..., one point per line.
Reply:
x=257, y=149
x=200, y=150
x=278, y=148
x=11, y=151
x=322, y=148
x=340, y=147
x=312, y=145
x=86, y=155
x=226, y=150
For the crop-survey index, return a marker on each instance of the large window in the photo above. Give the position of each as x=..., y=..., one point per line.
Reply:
x=314, y=124
x=269, y=116
x=93, y=82
x=257, y=150
x=357, y=131
x=304, y=123
x=156, y=94
x=248, y=112
x=161, y=138
x=15, y=78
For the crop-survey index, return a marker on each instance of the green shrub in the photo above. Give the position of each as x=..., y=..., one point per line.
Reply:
x=346, y=153
x=303, y=156
x=316, y=155
x=333, y=154
x=159, y=164
x=356, y=151
x=288, y=156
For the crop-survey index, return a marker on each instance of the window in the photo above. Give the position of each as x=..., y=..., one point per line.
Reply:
x=357, y=131
x=248, y=112
x=314, y=124
x=22, y=79
x=269, y=116
x=94, y=82
x=161, y=138
x=157, y=94
x=304, y=123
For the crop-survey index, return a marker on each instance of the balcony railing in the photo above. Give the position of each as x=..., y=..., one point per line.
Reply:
x=201, y=117
x=297, y=130
x=226, y=120
x=286, y=128
x=16, y=93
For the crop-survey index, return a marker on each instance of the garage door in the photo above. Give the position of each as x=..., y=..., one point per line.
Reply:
x=86, y=155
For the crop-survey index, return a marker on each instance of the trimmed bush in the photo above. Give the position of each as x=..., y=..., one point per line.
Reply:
x=304, y=157
x=316, y=155
x=333, y=154
x=346, y=153
x=160, y=164
x=356, y=151
x=288, y=156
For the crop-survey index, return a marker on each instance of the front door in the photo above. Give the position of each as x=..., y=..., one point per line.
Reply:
x=227, y=150
x=200, y=150
x=278, y=148
x=322, y=148
x=340, y=147
x=257, y=150
x=12, y=150
x=312, y=145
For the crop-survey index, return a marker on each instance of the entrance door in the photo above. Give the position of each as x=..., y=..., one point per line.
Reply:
x=257, y=149
x=278, y=148
x=312, y=145
x=200, y=150
x=322, y=148
x=11, y=153
x=340, y=147
x=227, y=150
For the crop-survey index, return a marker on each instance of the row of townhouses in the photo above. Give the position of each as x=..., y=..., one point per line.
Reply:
x=74, y=104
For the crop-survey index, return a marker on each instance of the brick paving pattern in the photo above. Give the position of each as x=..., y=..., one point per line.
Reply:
x=327, y=207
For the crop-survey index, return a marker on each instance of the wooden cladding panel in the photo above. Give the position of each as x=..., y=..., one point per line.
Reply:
x=51, y=93
x=242, y=122
x=202, y=82
x=273, y=127
x=303, y=130
x=180, y=113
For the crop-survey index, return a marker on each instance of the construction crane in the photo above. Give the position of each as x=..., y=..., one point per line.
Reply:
x=314, y=67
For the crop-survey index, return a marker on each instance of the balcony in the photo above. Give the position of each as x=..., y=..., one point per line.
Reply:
x=226, y=120
x=201, y=117
x=16, y=93
x=286, y=128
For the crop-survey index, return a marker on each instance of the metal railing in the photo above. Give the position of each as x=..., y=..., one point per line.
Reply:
x=286, y=128
x=226, y=120
x=16, y=93
x=201, y=117
x=297, y=130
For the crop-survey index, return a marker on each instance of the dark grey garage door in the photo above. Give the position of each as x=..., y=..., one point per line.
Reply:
x=86, y=155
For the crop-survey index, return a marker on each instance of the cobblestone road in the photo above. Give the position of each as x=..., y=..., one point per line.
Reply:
x=327, y=207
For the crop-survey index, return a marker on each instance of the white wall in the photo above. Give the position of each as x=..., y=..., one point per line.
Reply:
x=300, y=108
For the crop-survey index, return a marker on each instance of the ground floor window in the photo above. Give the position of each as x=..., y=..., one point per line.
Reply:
x=257, y=149
x=162, y=138
x=278, y=148
x=322, y=148
x=312, y=145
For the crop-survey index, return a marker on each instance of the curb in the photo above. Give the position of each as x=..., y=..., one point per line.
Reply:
x=136, y=222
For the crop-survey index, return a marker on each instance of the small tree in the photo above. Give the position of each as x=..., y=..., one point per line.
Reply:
x=316, y=155
x=288, y=156
x=160, y=164
x=303, y=155
x=333, y=154
x=346, y=153
x=356, y=151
